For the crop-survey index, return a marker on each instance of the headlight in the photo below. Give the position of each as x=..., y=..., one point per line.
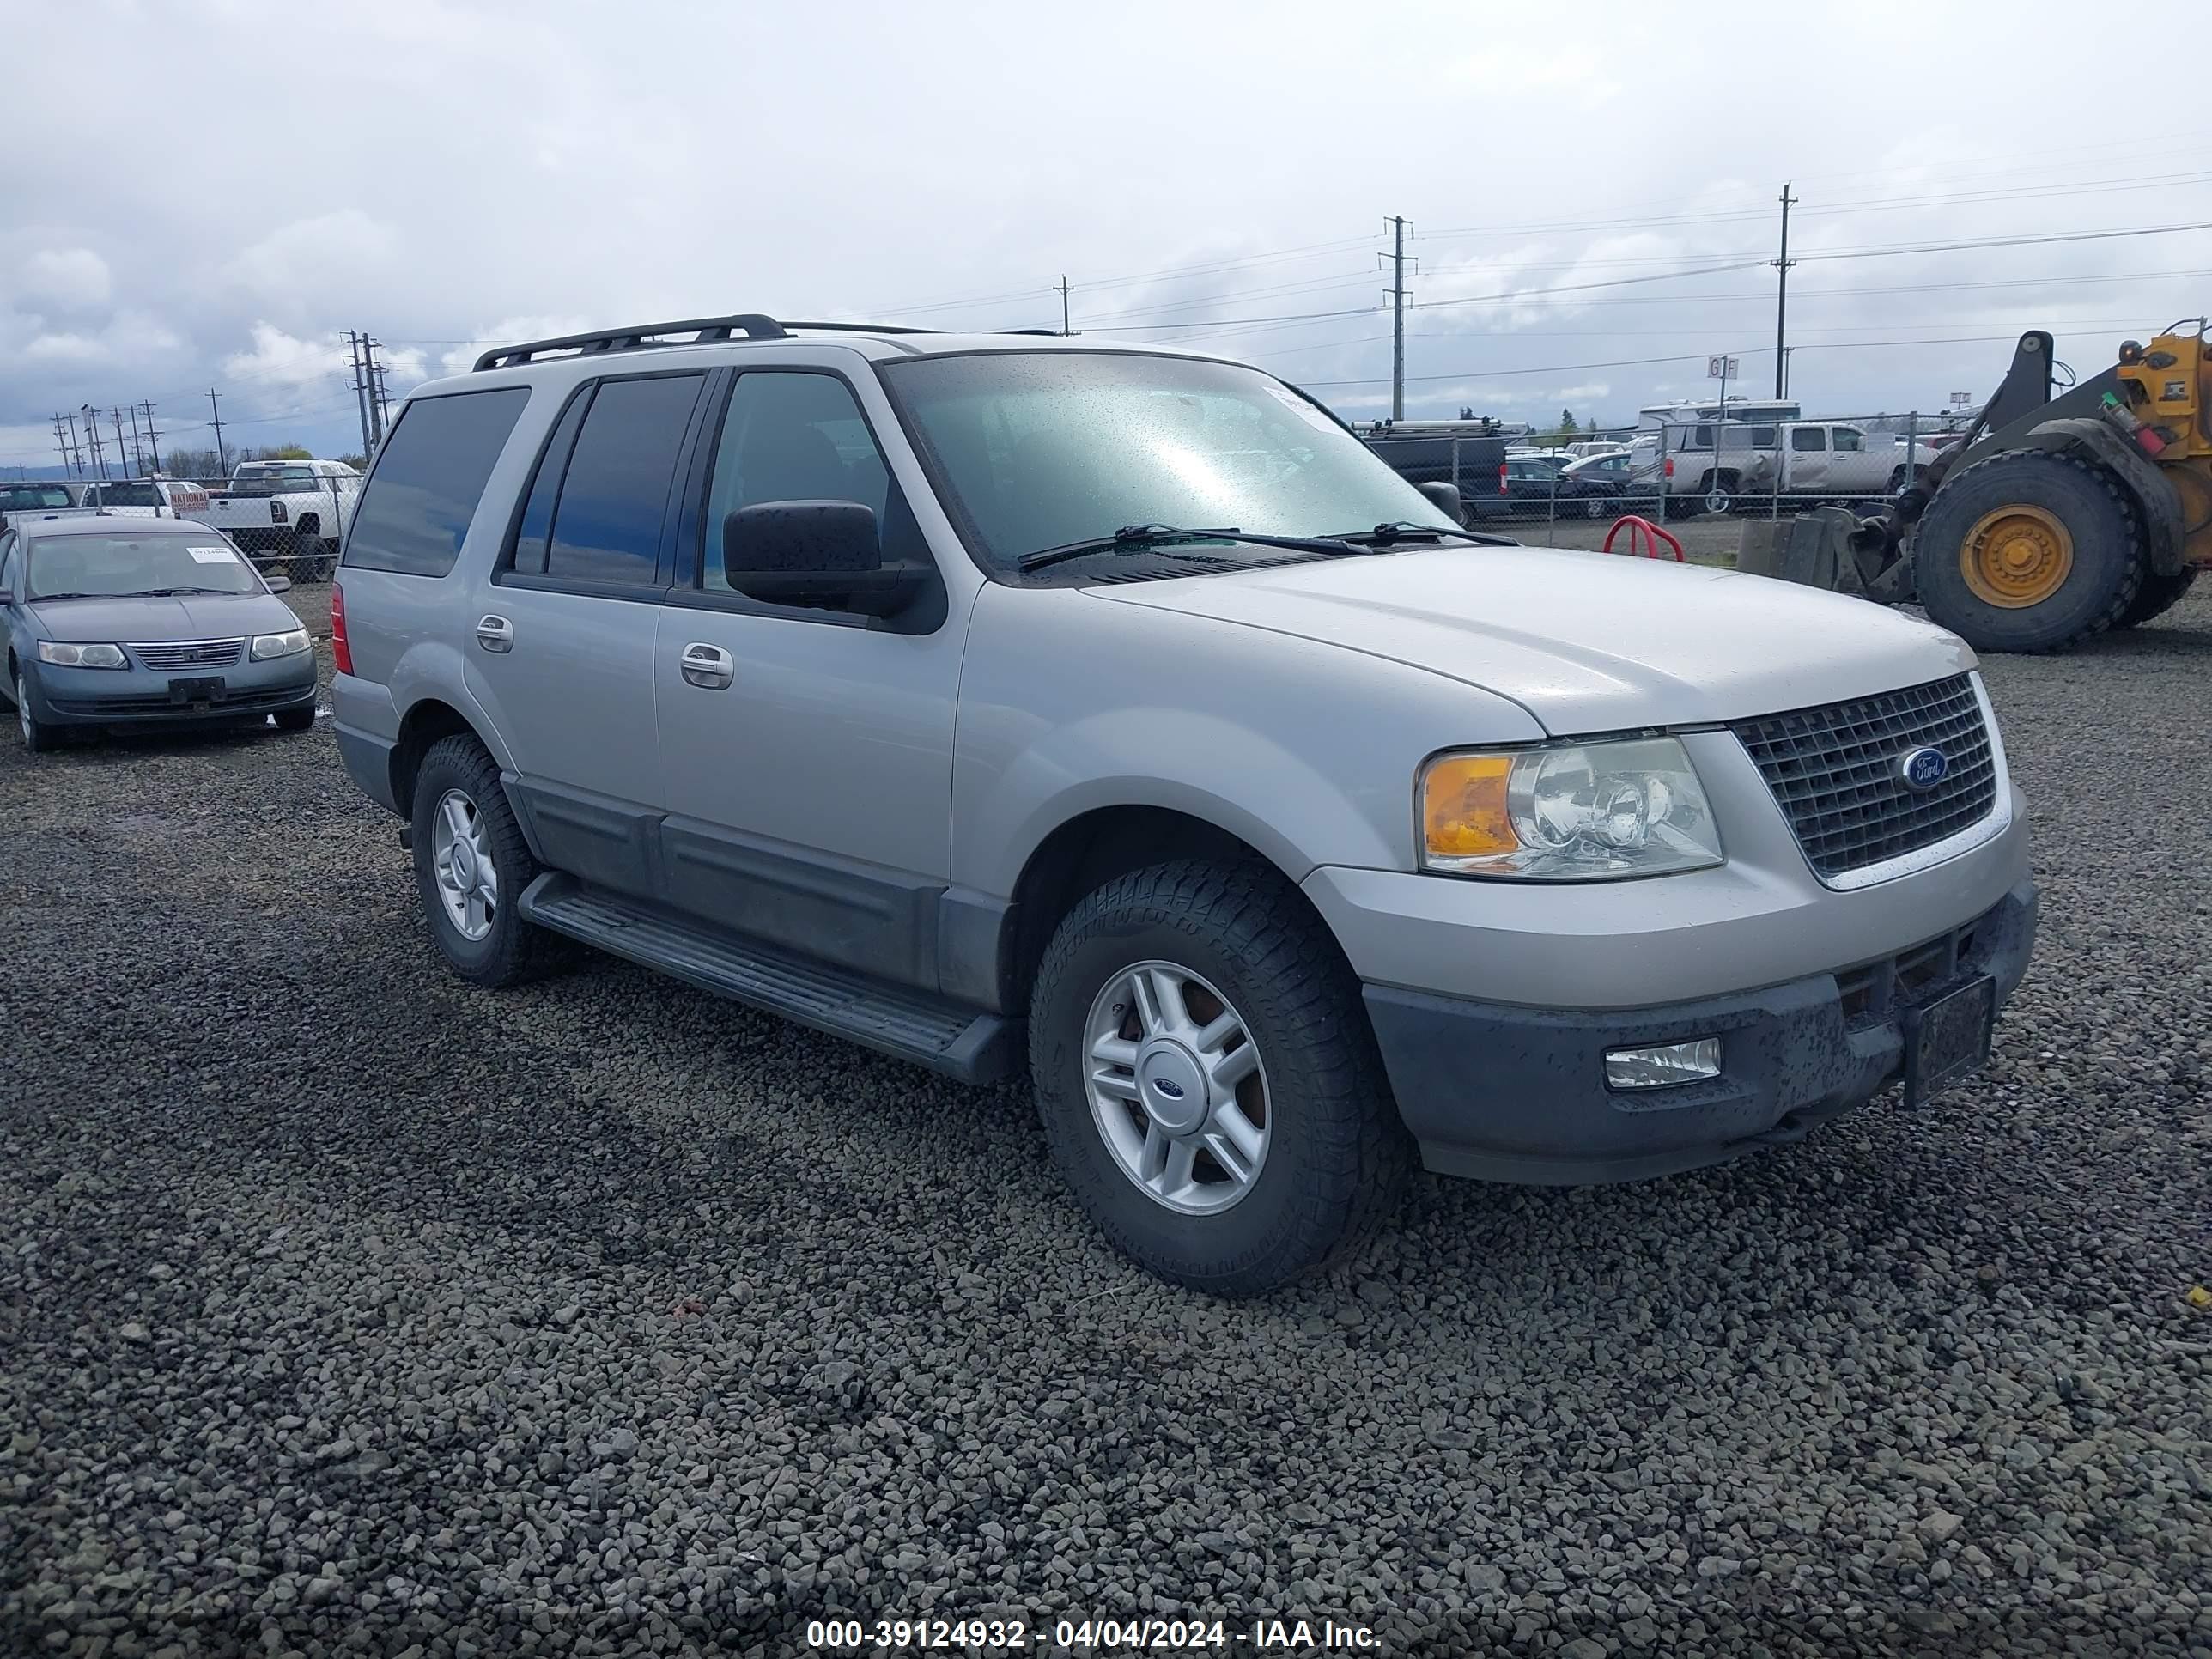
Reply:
x=287, y=644
x=1578, y=812
x=81, y=656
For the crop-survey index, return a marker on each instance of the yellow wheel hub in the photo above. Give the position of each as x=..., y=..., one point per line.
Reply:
x=2016, y=556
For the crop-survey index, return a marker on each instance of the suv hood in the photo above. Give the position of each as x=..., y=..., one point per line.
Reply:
x=187, y=617
x=1586, y=643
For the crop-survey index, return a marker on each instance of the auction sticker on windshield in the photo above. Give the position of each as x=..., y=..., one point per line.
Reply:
x=1299, y=407
x=212, y=554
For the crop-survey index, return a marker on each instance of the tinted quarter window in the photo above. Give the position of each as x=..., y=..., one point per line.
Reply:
x=614, y=496
x=537, y=526
x=429, y=479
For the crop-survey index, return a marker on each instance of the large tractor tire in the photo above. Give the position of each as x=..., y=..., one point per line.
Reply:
x=2157, y=596
x=2029, y=551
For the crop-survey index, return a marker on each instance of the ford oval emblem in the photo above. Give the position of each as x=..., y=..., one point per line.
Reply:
x=1924, y=768
x=1167, y=1086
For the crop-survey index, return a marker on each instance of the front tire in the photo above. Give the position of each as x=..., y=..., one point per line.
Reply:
x=2028, y=552
x=301, y=719
x=1208, y=1080
x=471, y=864
x=38, y=737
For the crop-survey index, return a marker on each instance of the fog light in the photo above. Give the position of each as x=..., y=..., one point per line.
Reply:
x=1667, y=1062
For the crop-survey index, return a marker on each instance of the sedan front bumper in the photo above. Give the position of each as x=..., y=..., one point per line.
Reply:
x=136, y=695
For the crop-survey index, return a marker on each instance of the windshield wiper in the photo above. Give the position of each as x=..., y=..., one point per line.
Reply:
x=1141, y=537
x=41, y=599
x=173, y=592
x=1394, y=531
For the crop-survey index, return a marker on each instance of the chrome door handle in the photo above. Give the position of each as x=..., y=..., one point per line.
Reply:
x=495, y=634
x=709, y=667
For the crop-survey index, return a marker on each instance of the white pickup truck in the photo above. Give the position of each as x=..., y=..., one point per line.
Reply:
x=1832, y=458
x=1825, y=459
x=299, y=508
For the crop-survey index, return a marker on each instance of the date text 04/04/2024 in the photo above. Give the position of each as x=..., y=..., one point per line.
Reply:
x=1089, y=1636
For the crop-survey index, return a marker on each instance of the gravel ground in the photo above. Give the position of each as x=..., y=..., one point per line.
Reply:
x=345, y=1307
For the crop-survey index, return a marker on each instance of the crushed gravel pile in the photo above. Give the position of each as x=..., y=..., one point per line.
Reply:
x=344, y=1308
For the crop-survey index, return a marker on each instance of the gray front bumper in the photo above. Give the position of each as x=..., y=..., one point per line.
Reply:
x=135, y=695
x=1504, y=1093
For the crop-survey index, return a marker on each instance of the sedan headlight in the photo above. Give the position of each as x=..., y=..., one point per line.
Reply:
x=64, y=655
x=1576, y=813
x=287, y=644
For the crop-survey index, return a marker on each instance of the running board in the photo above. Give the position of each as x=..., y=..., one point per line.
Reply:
x=909, y=1025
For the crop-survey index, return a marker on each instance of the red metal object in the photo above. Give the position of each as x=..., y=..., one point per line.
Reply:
x=1646, y=532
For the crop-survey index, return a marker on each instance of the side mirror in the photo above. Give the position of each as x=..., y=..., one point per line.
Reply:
x=1445, y=498
x=278, y=584
x=826, y=554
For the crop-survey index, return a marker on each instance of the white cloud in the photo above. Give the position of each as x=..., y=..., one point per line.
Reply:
x=511, y=331
x=67, y=279
x=304, y=260
x=128, y=337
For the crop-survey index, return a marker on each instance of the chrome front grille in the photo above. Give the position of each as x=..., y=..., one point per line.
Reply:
x=168, y=656
x=1838, y=773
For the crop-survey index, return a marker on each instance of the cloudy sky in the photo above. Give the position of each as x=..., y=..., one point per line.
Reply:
x=210, y=194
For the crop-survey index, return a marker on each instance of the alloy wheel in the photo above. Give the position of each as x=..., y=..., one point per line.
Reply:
x=1177, y=1088
x=461, y=857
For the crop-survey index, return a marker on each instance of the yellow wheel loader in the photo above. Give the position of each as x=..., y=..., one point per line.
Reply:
x=2054, y=518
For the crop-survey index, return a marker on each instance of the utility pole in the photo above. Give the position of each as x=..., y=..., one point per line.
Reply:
x=221, y=460
x=92, y=427
x=377, y=404
x=121, y=454
x=1397, y=292
x=153, y=438
x=61, y=442
x=360, y=384
x=137, y=444
x=1781, y=298
x=1063, y=289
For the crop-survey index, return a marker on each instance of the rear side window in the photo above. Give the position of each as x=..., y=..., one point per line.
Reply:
x=1809, y=439
x=614, y=498
x=429, y=479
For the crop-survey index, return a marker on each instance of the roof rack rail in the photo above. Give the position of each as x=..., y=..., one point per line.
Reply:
x=751, y=324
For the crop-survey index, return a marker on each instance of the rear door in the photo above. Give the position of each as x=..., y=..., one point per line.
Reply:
x=1854, y=469
x=563, y=653
x=1808, y=458
x=808, y=754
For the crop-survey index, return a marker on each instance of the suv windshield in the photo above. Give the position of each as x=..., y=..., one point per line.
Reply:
x=1039, y=449
x=109, y=567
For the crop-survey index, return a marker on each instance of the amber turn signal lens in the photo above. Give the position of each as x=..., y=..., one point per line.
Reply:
x=1463, y=806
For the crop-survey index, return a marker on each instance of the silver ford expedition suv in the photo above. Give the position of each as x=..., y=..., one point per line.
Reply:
x=1003, y=701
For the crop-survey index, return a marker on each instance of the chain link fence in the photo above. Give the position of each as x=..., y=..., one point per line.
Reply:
x=288, y=525
x=1672, y=471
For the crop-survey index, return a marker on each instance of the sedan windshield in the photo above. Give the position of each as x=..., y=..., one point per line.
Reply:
x=1042, y=449
x=114, y=567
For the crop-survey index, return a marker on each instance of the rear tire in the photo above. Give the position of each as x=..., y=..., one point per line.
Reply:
x=2095, y=573
x=509, y=951
x=1719, y=492
x=1334, y=1156
x=2157, y=596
